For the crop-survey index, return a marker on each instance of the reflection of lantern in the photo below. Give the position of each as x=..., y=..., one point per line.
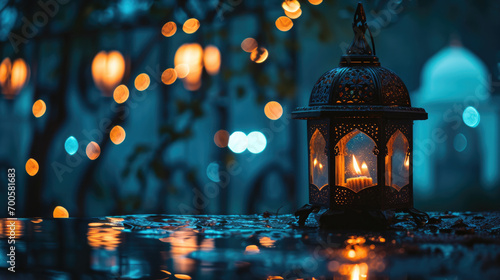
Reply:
x=13, y=76
x=183, y=242
x=360, y=129
x=108, y=70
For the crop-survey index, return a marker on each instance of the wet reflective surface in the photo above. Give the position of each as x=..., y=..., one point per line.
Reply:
x=451, y=246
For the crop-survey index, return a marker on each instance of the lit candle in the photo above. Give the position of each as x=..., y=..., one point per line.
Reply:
x=362, y=179
x=364, y=170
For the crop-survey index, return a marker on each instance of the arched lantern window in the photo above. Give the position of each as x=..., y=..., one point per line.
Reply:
x=360, y=133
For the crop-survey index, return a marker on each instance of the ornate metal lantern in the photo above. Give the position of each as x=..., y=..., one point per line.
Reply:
x=360, y=134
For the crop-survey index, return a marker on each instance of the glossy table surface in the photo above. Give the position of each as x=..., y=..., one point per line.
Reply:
x=451, y=246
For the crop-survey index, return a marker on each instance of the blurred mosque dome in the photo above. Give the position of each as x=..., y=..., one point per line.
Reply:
x=453, y=74
x=458, y=145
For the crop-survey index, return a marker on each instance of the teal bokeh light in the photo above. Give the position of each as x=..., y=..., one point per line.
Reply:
x=71, y=145
x=471, y=117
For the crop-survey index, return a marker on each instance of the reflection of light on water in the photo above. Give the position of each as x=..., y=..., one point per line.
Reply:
x=377, y=239
x=355, y=249
x=114, y=220
x=11, y=228
x=358, y=258
x=104, y=241
x=252, y=249
x=107, y=238
x=267, y=242
x=354, y=271
x=183, y=243
x=103, y=260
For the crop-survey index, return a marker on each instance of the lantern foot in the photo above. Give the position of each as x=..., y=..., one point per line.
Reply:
x=419, y=217
x=305, y=211
x=356, y=219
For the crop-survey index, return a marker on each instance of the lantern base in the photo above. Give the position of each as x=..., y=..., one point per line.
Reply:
x=356, y=219
x=305, y=211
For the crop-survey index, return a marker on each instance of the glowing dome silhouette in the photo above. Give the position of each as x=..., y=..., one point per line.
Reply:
x=453, y=74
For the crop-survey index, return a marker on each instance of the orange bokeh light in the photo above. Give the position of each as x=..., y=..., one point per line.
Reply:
x=211, y=59
x=169, y=29
x=290, y=5
x=284, y=23
x=315, y=2
x=182, y=70
x=121, y=94
x=142, y=82
x=32, y=167
x=60, y=212
x=221, y=138
x=273, y=110
x=190, y=54
x=249, y=45
x=191, y=26
x=39, y=108
x=108, y=70
x=93, y=150
x=294, y=15
x=259, y=55
x=117, y=135
x=13, y=76
x=169, y=76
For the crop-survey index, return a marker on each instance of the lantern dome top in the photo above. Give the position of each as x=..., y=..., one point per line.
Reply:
x=359, y=83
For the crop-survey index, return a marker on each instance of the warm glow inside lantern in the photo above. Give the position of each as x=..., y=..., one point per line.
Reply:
x=360, y=130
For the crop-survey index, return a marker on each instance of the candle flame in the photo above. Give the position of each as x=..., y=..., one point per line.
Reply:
x=364, y=169
x=351, y=254
x=356, y=166
x=315, y=162
x=364, y=166
x=407, y=161
x=320, y=166
x=355, y=273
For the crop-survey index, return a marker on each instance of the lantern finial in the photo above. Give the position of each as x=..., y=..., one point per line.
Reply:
x=360, y=51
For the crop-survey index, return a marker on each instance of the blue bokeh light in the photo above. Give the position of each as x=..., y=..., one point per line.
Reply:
x=71, y=145
x=460, y=142
x=471, y=117
x=256, y=142
x=213, y=172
